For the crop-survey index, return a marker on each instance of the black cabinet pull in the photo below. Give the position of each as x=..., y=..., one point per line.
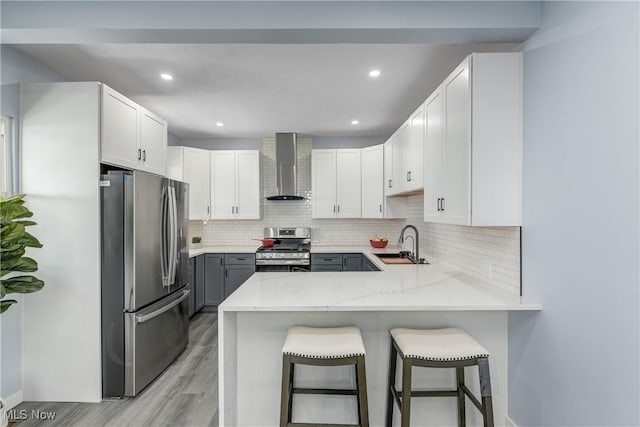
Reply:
x=220, y=260
x=338, y=208
x=144, y=155
x=334, y=208
x=226, y=273
x=241, y=259
x=327, y=259
x=390, y=183
x=439, y=204
x=443, y=204
x=139, y=154
x=408, y=176
x=380, y=208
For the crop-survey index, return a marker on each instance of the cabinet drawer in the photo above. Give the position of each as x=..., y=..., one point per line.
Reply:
x=326, y=259
x=326, y=267
x=239, y=259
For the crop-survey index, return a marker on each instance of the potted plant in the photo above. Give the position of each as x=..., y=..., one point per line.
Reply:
x=14, y=239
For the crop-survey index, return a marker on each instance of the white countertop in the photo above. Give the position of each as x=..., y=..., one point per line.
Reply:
x=229, y=249
x=431, y=287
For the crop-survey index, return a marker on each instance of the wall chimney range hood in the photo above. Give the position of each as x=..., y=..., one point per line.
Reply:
x=286, y=152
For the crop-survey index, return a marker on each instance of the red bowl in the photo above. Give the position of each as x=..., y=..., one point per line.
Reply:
x=379, y=243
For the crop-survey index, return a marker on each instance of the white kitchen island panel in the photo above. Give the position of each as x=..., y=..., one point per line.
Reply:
x=253, y=397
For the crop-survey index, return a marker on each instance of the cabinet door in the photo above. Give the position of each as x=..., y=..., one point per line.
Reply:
x=434, y=158
x=213, y=279
x=248, y=184
x=372, y=182
x=120, y=130
x=223, y=197
x=367, y=265
x=196, y=174
x=413, y=155
x=192, y=287
x=153, y=142
x=388, y=167
x=199, y=281
x=323, y=183
x=236, y=275
x=352, y=262
x=398, y=145
x=349, y=184
x=457, y=132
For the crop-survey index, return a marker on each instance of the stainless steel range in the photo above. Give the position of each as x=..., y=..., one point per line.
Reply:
x=290, y=252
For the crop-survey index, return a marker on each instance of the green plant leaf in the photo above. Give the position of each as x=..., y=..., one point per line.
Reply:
x=26, y=223
x=6, y=256
x=4, y=305
x=18, y=198
x=22, y=284
x=25, y=264
x=3, y=291
x=11, y=232
x=10, y=246
x=29, y=240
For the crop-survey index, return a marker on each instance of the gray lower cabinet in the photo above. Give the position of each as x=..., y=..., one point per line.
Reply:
x=213, y=279
x=351, y=262
x=326, y=262
x=237, y=269
x=192, y=287
x=199, y=282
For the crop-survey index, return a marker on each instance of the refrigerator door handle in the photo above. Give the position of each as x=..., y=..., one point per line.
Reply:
x=174, y=236
x=164, y=256
x=145, y=317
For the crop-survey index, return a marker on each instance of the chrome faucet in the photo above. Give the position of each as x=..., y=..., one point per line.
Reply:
x=415, y=255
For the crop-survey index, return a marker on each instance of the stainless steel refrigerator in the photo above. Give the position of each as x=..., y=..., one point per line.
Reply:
x=145, y=323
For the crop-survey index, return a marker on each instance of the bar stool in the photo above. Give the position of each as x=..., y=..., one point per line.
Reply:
x=323, y=347
x=437, y=348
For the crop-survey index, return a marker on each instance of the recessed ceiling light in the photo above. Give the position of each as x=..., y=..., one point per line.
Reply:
x=374, y=73
x=354, y=122
x=166, y=76
x=219, y=124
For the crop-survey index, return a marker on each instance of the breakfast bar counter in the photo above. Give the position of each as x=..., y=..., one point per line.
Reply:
x=254, y=320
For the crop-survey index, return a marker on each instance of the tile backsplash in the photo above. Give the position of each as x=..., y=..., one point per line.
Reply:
x=489, y=253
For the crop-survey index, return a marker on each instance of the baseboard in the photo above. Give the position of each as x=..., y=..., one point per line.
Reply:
x=508, y=422
x=13, y=400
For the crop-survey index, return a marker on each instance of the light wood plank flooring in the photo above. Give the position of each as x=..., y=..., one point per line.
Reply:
x=186, y=394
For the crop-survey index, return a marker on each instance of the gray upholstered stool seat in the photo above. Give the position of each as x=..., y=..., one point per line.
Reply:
x=322, y=347
x=437, y=348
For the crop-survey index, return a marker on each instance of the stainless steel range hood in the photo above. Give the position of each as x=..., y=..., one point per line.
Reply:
x=286, y=144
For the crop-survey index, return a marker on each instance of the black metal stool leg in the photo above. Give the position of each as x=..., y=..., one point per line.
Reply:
x=361, y=386
x=462, y=416
x=405, y=409
x=285, y=393
x=485, y=391
x=393, y=356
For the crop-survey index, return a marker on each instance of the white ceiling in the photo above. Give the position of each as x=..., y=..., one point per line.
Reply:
x=259, y=89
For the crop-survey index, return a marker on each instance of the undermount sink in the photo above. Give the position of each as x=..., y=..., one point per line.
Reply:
x=395, y=258
x=398, y=258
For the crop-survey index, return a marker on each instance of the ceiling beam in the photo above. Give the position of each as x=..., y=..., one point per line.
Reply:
x=267, y=21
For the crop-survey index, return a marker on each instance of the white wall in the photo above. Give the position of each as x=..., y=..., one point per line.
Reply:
x=16, y=67
x=577, y=362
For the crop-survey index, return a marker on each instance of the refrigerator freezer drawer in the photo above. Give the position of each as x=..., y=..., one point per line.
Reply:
x=154, y=337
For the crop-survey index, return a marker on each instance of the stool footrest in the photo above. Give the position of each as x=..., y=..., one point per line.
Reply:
x=471, y=397
x=338, y=391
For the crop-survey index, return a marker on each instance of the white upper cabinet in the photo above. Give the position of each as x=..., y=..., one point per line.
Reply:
x=404, y=169
x=349, y=183
x=235, y=184
x=191, y=165
x=153, y=141
x=132, y=137
x=120, y=130
x=373, y=182
x=412, y=154
x=336, y=183
x=388, y=167
x=473, y=155
x=434, y=157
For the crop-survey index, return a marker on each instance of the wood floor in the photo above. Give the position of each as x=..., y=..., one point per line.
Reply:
x=186, y=394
